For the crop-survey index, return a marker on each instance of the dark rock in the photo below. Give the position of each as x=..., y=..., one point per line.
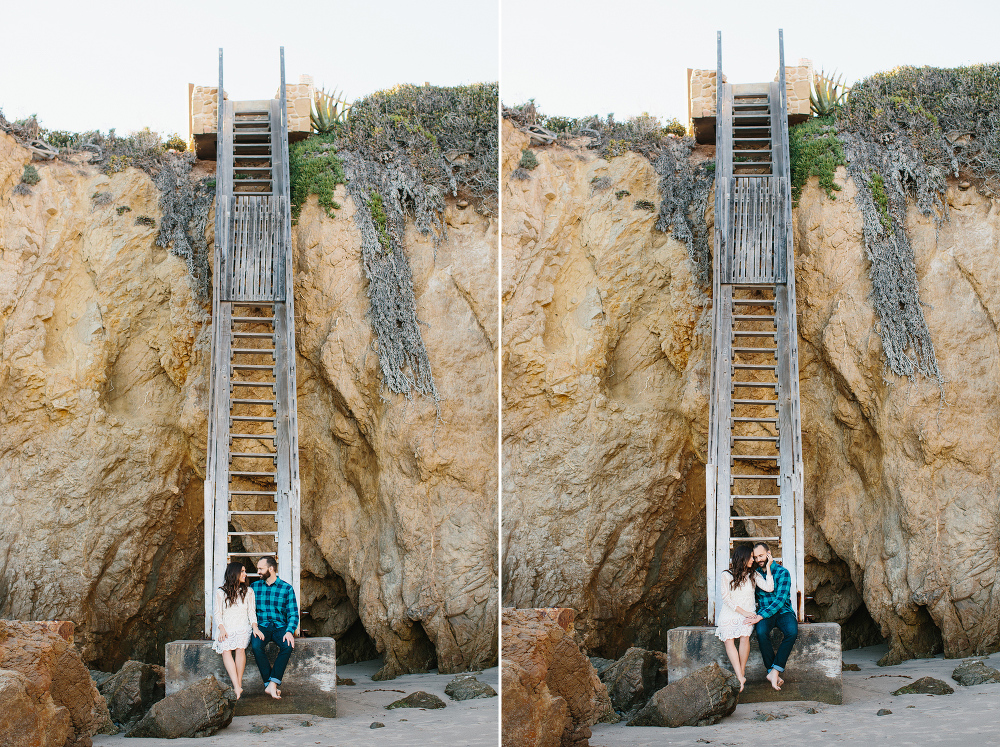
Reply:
x=467, y=687
x=199, y=710
x=346, y=681
x=884, y=712
x=851, y=667
x=377, y=725
x=131, y=691
x=600, y=664
x=925, y=686
x=634, y=678
x=100, y=677
x=975, y=672
x=700, y=699
x=419, y=699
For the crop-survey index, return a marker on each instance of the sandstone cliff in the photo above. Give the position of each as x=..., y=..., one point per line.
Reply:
x=104, y=361
x=605, y=379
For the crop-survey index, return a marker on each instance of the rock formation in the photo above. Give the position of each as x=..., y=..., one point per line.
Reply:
x=104, y=358
x=605, y=407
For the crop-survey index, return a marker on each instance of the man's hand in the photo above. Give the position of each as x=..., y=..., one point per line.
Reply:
x=289, y=639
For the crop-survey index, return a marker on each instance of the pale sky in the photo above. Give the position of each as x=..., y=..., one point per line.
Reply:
x=589, y=57
x=127, y=64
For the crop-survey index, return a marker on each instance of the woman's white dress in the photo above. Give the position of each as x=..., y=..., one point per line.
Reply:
x=730, y=622
x=238, y=619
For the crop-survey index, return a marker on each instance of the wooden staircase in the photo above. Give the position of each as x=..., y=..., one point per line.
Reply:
x=754, y=473
x=252, y=470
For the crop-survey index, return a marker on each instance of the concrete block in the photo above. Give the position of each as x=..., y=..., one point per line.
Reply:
x=309, y=684
x=813, y=671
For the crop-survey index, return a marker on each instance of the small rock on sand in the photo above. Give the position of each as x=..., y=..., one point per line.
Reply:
x=419, y=699
x=975, y=672
x=884, y=712
x=926, y=686
x=467, y=687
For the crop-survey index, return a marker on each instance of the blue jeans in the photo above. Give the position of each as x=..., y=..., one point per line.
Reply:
x=268, y=672
x=789, y=627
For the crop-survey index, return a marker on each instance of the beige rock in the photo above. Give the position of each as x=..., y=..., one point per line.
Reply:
x=104, y=361
x=28, y=716
x=605, y=413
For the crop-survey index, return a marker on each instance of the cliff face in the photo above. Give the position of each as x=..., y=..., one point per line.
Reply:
x=103, y=389
x=605, y=415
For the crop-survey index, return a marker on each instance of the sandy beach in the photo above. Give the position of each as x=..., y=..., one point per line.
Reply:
x=970, y=716
x=469, y=723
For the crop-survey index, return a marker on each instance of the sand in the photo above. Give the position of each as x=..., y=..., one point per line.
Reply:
x=971, y=716
x=469, y=723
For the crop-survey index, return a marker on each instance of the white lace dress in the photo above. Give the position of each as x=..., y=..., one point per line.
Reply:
x=238, y=619
x=730, y=622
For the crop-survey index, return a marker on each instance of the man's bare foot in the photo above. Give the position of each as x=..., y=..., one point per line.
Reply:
x=773, y=678
x=273, y=691
x=743, y=681
x=780, y=681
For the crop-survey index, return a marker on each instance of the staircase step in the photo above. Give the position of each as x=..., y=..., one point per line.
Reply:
x=754, y=367
x=754, y=420
x=265, y=437
x=753, y=317
x=250, y=367
x=755, y=477
x=268, y=402
x=754, y=518
x=245, y=555
x=755, y=333
x=258, y=335
x=241, y=473
x=271, y=493
x=755, y=385
x=252, y=534
x=250, y=455
x=754, y=457
x=252, y=418
x=752, y=301
x=754, y=438
x=773, y=402
x=258, y=320
x=255, y=513
x=744, y=351
x=253, y=351
x=752, y=152
x=756, y=497
x=756, y=539
x=250, y=182
x=254, y=383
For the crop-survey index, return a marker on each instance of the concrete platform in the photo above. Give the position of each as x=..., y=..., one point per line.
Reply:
x=813, y=671
x=309, y=684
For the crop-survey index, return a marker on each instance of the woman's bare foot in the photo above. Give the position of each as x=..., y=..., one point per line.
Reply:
x=773, y=678
x=743, y=681
x=273, y=691
x=239, y=692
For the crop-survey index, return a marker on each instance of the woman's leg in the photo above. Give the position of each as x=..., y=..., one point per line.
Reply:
x=241, y=664
x=227, y=660
x=734, y=659
x=744, y=654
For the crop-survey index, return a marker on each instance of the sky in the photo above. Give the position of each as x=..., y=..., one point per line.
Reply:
x=630, y=57
x=127, y=65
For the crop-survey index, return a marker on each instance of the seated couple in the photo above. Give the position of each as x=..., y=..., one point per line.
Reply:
x=265, y=611
x=756, y=595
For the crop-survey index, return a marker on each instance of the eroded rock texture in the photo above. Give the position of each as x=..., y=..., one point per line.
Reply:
x=104, y=361
x=605, y=415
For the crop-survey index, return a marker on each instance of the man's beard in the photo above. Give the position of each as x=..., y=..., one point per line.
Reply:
x=762, y=563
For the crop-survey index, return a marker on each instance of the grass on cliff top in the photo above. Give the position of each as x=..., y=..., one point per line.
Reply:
x=814, y=150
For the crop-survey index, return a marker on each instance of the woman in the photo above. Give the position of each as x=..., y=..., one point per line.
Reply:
x=236, y=615
x=738, y=611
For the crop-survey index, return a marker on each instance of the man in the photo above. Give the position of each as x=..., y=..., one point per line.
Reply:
x=277, y=619
x=775, y=609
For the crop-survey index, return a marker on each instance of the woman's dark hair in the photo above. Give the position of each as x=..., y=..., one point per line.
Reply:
x=739, y=564
x=231, y=586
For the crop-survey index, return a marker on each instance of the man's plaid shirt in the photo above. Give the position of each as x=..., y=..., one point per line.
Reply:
x=276, y=604
x=769, y=603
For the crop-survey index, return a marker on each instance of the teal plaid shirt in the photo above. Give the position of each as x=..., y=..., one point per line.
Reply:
x=276, y=604
x=769, y=603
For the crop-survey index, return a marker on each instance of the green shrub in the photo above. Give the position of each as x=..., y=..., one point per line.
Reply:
x=175, y=142
x=123, y=209
x=622, y=193
x=144, y=220
x=528, y=160
x=315, y=169
x=30, y=175
x=814, y=150
x=645, y=205
x=675, y=127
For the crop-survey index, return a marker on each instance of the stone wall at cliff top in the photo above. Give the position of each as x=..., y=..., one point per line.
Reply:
x=605, y=382
x=104, y=361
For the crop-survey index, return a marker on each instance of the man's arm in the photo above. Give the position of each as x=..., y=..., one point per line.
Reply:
x=292, y=611
x=782, y=592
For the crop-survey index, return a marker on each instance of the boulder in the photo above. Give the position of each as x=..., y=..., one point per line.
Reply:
x=467, y=687
x=28, y=715
x=554, y=695
x=199, y=710
x=700, y=699
x=419, y=699
x=44, y=654
x=131, y=692
x=925, y=686
x=635, y=677
x=975, y=672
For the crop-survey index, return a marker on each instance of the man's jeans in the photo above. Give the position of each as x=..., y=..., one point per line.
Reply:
x=267, y=672
x=789, y=627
